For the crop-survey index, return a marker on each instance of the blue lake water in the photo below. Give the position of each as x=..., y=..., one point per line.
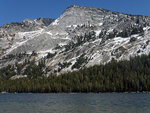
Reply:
x=75, y=103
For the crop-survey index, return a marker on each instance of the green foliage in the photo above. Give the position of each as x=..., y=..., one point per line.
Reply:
x=13, y=56
x=125, y=33
x=122, y=76
x=112, y=34
x=33, y=70
x=81, y=60
x=137, y=30
x=64, y=65
x=7, y=72
x=79, y=40
x=133, y=39
x=131, y=31
x=102, y=34
x=33, y=53
x=50, y=55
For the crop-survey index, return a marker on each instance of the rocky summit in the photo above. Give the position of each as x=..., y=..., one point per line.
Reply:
x=80, y=37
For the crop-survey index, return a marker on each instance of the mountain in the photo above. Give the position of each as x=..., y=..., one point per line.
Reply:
x=13, y=33
x=80, y=37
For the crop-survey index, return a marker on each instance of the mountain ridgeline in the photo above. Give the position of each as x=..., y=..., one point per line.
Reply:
x=93, y=47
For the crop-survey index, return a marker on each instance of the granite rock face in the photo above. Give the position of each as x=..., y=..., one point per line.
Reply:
x=81, y=36
x=13, y=33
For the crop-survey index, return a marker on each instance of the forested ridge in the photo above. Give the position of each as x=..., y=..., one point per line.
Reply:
x=122, y=76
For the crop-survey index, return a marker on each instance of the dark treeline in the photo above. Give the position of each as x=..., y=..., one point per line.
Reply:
x=122, y=76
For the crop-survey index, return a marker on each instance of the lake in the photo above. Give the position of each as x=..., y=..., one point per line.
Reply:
x=75, y=103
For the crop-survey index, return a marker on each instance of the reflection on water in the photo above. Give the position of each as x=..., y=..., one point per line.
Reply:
x=75, y=103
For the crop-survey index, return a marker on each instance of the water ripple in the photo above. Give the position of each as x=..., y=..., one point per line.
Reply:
x=75, y=103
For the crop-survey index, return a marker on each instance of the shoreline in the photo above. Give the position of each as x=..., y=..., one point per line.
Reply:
x=143, y=92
